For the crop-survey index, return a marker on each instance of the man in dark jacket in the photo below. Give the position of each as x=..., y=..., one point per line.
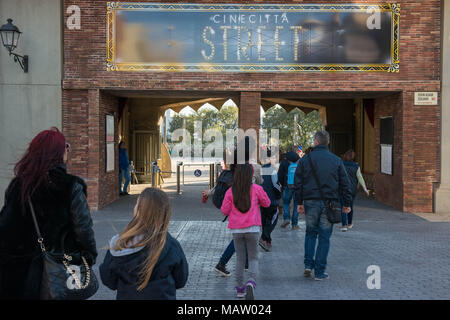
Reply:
x=335, y=185
x=291, y=157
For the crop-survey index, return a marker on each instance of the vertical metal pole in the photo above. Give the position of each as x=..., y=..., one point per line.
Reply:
x=295, y=129
x=218, y=169
x=211, y=175
x=183, y=174
x=178, y=179
x=153, y=175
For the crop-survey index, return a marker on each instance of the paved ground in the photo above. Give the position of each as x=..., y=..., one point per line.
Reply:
x=412, y=253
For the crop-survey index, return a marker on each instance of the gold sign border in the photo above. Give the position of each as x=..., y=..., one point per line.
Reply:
x=111, y=65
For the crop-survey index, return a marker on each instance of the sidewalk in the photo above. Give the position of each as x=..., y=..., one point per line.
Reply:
x=412, y=253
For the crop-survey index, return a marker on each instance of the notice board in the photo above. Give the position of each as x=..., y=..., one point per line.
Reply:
x=386, y=144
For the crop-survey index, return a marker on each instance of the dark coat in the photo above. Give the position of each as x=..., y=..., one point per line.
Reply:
x=331, y=173
x=120, y=271
x=291, y=157
x=272, y=188
x=352, y=168
x=124, y=162
x=61, y=210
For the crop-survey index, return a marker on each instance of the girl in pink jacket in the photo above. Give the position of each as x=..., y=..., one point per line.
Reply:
x=241, y=204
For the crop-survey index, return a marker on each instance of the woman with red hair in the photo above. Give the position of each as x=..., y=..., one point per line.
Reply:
x=62, y=212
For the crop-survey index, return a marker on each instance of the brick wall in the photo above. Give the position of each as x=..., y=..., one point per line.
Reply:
x=84, y=127
x=108, y=181
x=249, y=110
x=416, y=153
x=417, y=128
x=389, y=188
x=85, y=58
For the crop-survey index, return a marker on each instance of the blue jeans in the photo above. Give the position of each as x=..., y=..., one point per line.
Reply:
x=288, y=194
x=317, y=226
x=124, y=174
x=348, y=218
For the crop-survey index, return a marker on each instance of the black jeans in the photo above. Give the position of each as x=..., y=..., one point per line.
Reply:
x=267, y=215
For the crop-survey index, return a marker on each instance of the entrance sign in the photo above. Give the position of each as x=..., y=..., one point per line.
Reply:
x=386, y=159
x=110, y=147
x=252, y=37
x=386, y=143
x=425, y=98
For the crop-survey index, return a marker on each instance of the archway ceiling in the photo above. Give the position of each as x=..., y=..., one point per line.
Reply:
x=290, y=104
x=195, y=104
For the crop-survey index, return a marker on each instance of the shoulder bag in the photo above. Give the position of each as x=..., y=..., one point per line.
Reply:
x=62, y=280
x=333, y=208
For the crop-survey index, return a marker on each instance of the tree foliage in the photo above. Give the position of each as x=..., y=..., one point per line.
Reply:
x=303, y=130
x=226, y=118
x=274, y=118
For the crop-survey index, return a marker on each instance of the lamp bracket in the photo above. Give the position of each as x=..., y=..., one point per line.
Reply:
x=22, y=60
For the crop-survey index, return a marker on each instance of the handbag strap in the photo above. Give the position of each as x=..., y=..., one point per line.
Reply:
x=316, y=178
x=36, y=226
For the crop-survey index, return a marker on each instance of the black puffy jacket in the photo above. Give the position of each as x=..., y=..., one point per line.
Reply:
x=61, y=210
x=120, y=271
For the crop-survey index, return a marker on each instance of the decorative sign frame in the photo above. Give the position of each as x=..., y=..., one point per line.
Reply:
x=115, y=63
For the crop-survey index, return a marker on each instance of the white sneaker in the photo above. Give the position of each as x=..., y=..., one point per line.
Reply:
x=344, y=229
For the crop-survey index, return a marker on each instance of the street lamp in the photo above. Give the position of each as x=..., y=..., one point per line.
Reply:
x=10, y=37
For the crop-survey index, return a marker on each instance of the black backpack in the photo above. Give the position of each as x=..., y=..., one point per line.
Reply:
x=224, y=182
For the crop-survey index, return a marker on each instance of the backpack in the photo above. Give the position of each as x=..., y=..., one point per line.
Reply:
x=291, y=174
x=224, y=182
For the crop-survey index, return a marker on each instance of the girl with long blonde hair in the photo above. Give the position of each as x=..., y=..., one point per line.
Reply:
x=144, y=261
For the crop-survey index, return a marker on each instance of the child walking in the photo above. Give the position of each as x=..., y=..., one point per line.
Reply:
x=144, y=261
x=241, y=204
x=269, y=216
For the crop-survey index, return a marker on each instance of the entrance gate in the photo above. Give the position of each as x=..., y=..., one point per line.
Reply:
x=145, y=150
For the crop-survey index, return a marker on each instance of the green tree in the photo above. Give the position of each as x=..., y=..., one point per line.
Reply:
x=226, y=118
x=303, y=129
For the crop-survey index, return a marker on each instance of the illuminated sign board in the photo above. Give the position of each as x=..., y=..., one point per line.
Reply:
x=252, y=37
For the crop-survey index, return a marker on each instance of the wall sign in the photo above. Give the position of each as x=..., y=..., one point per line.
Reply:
x=386, y=159
x=110, y=146
x=386, y=144
x=252, y=37
x=425, y=98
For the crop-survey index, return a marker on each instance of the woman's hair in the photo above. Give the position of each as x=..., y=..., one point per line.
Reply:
x=242, y=182
x=44, y=152
x=349, y=155
x=147, y=228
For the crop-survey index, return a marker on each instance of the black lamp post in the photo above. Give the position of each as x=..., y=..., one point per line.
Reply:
x=10, y=38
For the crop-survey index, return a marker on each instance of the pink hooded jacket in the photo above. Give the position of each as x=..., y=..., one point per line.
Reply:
x=239, y=220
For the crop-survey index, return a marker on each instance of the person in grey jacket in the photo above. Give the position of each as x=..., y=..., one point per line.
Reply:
x=62, y=212
x=335, y=185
